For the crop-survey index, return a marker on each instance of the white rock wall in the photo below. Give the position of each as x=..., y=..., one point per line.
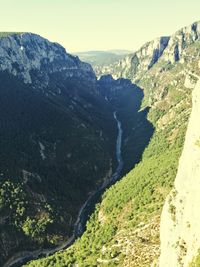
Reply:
x=23, y=54
x=180, y=220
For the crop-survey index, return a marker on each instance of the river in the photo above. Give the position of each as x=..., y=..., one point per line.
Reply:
x=86, y=210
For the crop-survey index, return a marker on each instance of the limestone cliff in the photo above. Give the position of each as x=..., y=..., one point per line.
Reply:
x=169, y=49
x=180, y=231
x=34, y=59
x=140, y=61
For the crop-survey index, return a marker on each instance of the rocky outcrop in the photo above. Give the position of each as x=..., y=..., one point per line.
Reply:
x=181, y=40
x=142, y=60
x=180, y=232
x=35, y=59
x=166, y=49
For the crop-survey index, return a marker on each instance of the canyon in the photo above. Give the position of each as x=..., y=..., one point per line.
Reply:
x=123, y=139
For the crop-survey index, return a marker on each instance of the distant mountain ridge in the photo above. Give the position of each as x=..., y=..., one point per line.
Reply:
x=102, y=57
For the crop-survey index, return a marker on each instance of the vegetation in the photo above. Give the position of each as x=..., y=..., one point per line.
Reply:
x=15, y=209
x=127, y=101
x=37, y=209
x=13, y=202
x=136, y=198
x=124, y=228
x=129, y=211
x=198, y=143
x=78, y=138
x=196, y=261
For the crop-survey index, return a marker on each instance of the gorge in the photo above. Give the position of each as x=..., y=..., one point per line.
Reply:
x=124, y=229
x=98, y=170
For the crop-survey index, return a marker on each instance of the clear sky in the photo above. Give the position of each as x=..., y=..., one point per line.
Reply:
x=81, y=25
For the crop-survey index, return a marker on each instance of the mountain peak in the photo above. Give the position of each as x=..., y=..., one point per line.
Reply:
x=34, y=59
x=170, y=49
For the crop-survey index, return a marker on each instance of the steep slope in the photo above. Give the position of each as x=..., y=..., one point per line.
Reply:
x=124, y=229
x=168, y=49
x=58, y=138
x=35, y=60
x=180, y=235
x=138, y=62
x=126, y=98
x=55, y=141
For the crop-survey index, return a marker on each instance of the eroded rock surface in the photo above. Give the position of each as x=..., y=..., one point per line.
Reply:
x=180, y=232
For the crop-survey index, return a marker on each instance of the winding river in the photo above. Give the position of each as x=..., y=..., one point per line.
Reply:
x=23, y=257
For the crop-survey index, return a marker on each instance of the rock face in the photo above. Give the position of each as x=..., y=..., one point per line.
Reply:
x=181, y=40
x=34, y=59
x=141, y=60
x=168, y=49
x=180, y=232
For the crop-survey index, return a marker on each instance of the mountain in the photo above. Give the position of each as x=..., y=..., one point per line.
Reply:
x=96, y=58
x=125, y=227
x=51, y=114
x=132, y=63
x=35, y=60
x=58, y=140
x=168, y=49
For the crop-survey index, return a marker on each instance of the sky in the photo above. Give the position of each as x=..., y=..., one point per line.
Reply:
x=83, y=25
